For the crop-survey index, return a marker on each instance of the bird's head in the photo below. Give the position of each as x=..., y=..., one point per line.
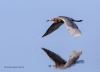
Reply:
x=53, y=19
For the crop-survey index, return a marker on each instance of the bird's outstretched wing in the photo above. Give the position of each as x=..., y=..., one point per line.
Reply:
x=55, y=57
x=53, y=27
x=72, y=27
x=73, y=57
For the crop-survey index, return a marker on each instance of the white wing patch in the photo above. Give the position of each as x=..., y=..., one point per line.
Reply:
x=71, y=26
x=76, y=53
x=74, y=32
x=74, y=56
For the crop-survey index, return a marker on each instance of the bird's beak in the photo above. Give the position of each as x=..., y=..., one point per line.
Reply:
x=49, y=65
x=47, y=20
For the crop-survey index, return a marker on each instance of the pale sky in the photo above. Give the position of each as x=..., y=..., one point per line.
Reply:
x=23, y=21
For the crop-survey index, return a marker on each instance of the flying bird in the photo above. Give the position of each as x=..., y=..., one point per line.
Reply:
x=60, y=62
x=58, y=21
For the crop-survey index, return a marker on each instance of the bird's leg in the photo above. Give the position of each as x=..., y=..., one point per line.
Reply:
x=77, y=20
x=80, y=61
